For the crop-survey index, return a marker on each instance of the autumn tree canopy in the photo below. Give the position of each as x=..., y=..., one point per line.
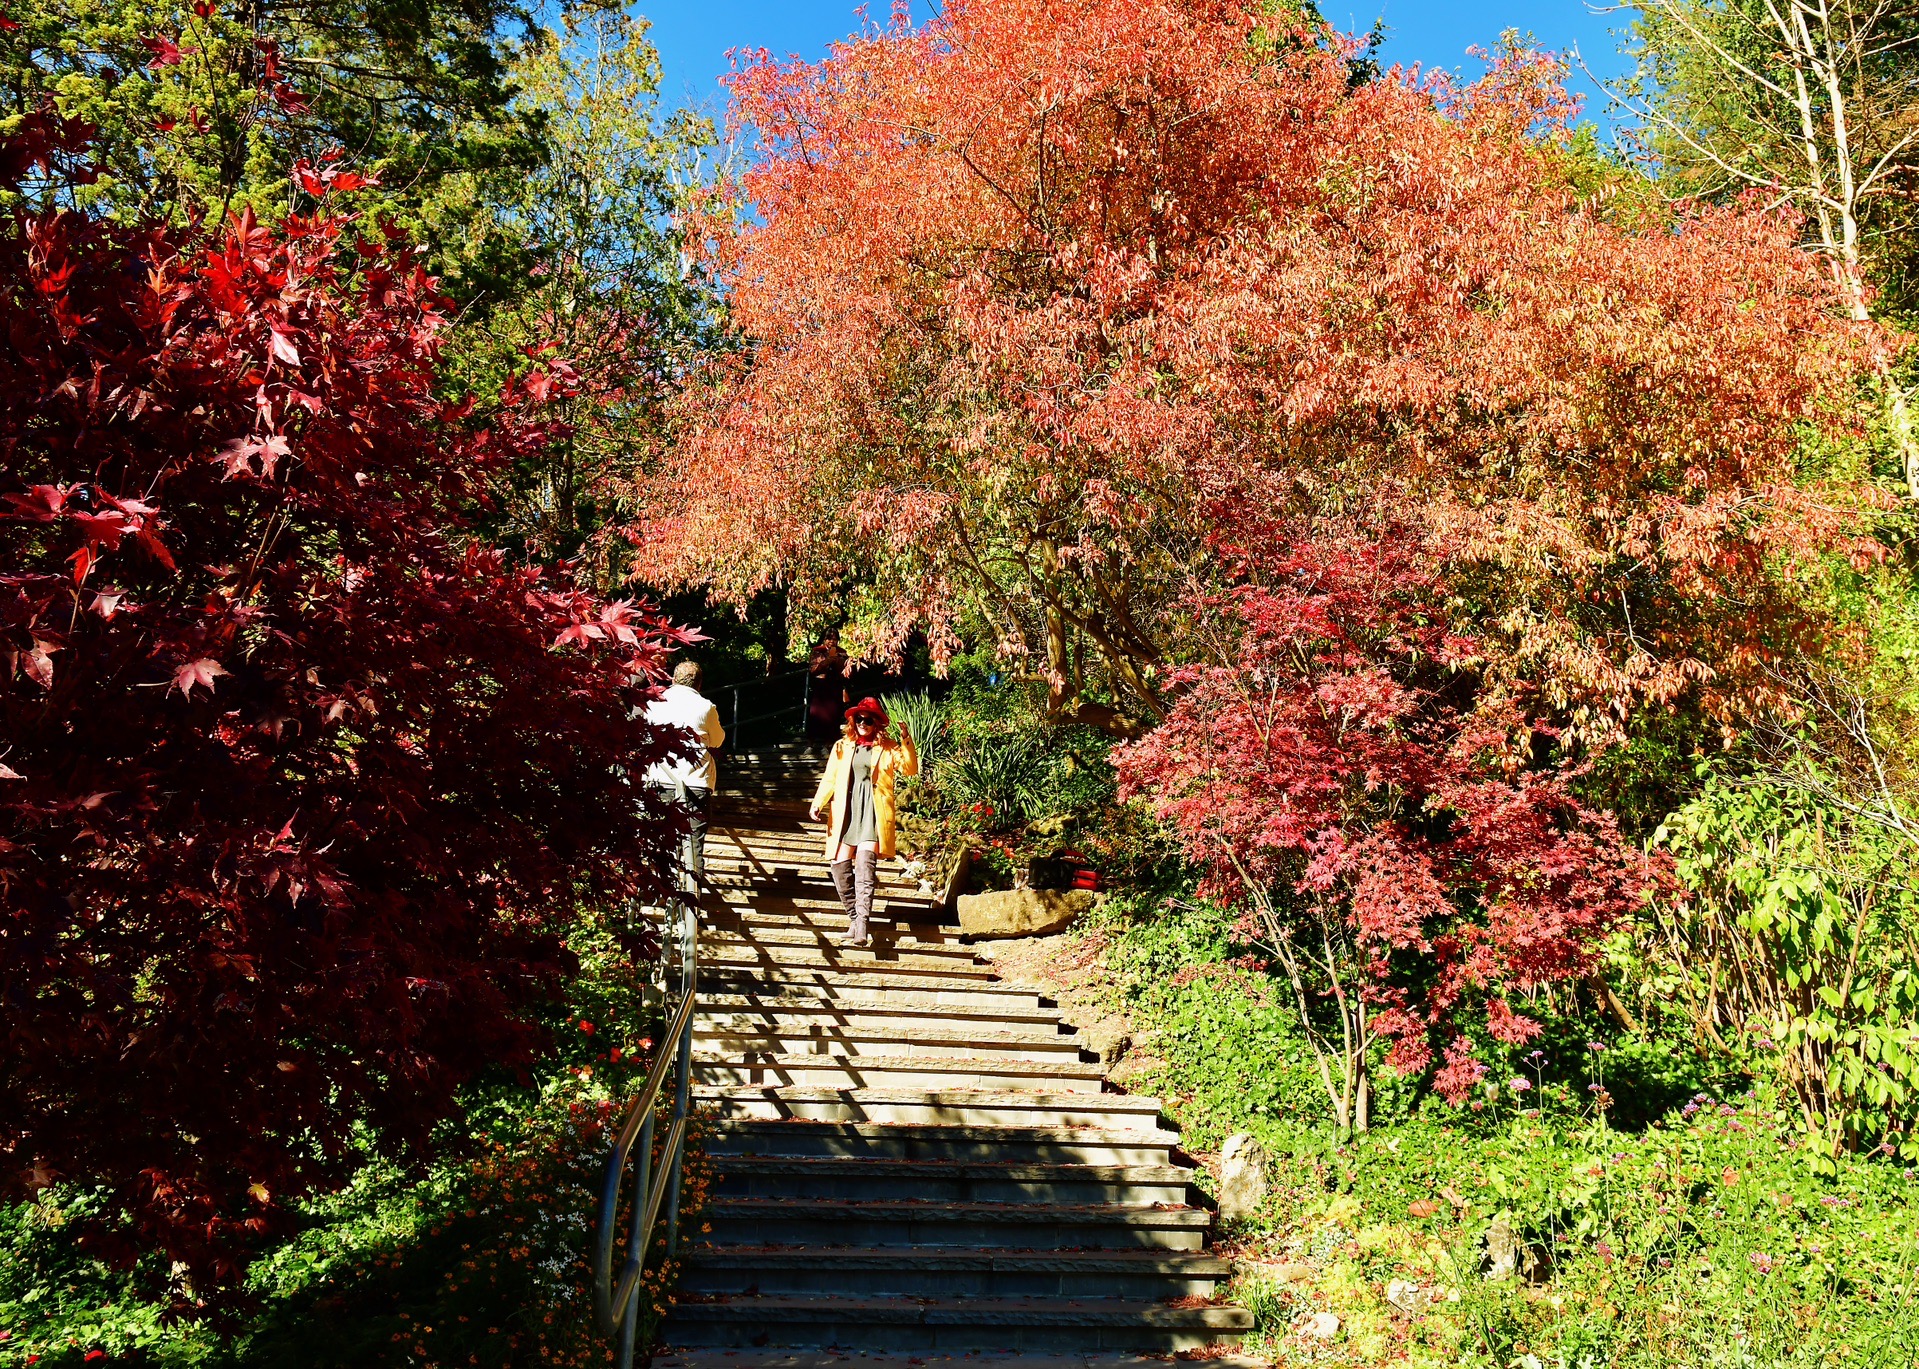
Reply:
x=300, y=782
x=1026, y=290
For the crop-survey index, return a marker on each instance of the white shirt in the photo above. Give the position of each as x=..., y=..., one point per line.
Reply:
x=694, y=712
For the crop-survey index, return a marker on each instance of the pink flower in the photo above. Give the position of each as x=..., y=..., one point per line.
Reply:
x=1760, y=1260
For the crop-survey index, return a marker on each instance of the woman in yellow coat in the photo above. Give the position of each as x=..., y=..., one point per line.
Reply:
x=864, y=821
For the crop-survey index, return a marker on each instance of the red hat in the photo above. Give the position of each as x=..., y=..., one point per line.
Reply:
x=871, y=707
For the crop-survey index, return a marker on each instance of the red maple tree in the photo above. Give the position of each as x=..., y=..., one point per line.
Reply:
x=1402, y=837
x=300, y=782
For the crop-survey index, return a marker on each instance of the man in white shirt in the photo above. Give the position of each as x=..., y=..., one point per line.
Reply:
x=689, y=782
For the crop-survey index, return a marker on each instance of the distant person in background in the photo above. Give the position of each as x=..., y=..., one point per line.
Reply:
x=858, y=784
x=689, y=782
x=826, y=693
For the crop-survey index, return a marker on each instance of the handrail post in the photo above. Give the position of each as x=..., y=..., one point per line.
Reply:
x=616, y=1292
x=689, y=953
x=630, y=1323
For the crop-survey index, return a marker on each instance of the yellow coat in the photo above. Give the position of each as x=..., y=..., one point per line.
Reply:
x=895, y=758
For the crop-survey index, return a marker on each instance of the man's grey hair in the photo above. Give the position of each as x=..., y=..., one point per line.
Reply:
x=689, y=674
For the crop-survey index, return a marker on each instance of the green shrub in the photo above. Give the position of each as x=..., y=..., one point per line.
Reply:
x=1792, y=944
x=1002, y=777
x=924, y=721
x=1699, y=1238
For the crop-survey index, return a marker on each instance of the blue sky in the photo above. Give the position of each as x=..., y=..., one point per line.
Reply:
x=694, y=35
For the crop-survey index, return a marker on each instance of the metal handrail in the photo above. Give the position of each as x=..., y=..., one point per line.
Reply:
x=806, y=695
x=616, y=1302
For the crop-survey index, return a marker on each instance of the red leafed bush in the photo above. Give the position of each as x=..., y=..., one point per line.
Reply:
x=1338, y=768
x=300, y=781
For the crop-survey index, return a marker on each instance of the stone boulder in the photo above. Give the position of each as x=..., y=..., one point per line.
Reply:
x=1320, y=1326
x=1021, y=912
x=1108, y=1039
x=1243, y=1177
x=1408, y=1298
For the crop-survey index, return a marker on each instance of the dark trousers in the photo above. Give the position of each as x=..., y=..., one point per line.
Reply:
x=691, y=800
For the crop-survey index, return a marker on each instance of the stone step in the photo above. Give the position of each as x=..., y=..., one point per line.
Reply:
x=786, y=902
x=808, y=1014
x=782, y=871
x=832, y=1357
x=890, y=988
x=735, y=887
x=761, y=1176
x=777, y=804
x=951, y=1107
x=754, y=843
x=1016, y=1226
x=951, y=1324
x=865, y=1040
x=776, y=962
x=950, y=1272
x=732, y=1068
x=828, y=925
x=805, y=939
x=935, y=1141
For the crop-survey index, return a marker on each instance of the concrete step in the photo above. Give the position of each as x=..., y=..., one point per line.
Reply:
x=805, y=1014
x=880, y=987
x=935, y=1141
x=950, y=1107
x=735, y=1069
x=1015, y=1226
x=946, y=1272
x=951, y=1324
x=826, y=1176
x=863, y=1039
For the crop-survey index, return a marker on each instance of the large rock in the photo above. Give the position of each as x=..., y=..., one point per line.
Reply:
x=1243, y=1177
x=1021, y=912
x=1108, y=1039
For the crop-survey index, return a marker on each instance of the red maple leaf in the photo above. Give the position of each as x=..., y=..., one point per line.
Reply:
x=200, y=672
x=166, y=52
x=42, y=503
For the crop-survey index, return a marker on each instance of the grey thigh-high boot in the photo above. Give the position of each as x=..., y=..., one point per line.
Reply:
x=842, y=872
x=866, y=874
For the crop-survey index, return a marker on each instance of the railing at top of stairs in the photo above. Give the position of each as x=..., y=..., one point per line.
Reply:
x=616, y=1293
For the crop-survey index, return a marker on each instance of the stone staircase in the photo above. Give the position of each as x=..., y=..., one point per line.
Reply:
x=912, y=1156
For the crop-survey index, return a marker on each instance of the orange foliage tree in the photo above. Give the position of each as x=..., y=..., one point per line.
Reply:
x=1033, y=296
